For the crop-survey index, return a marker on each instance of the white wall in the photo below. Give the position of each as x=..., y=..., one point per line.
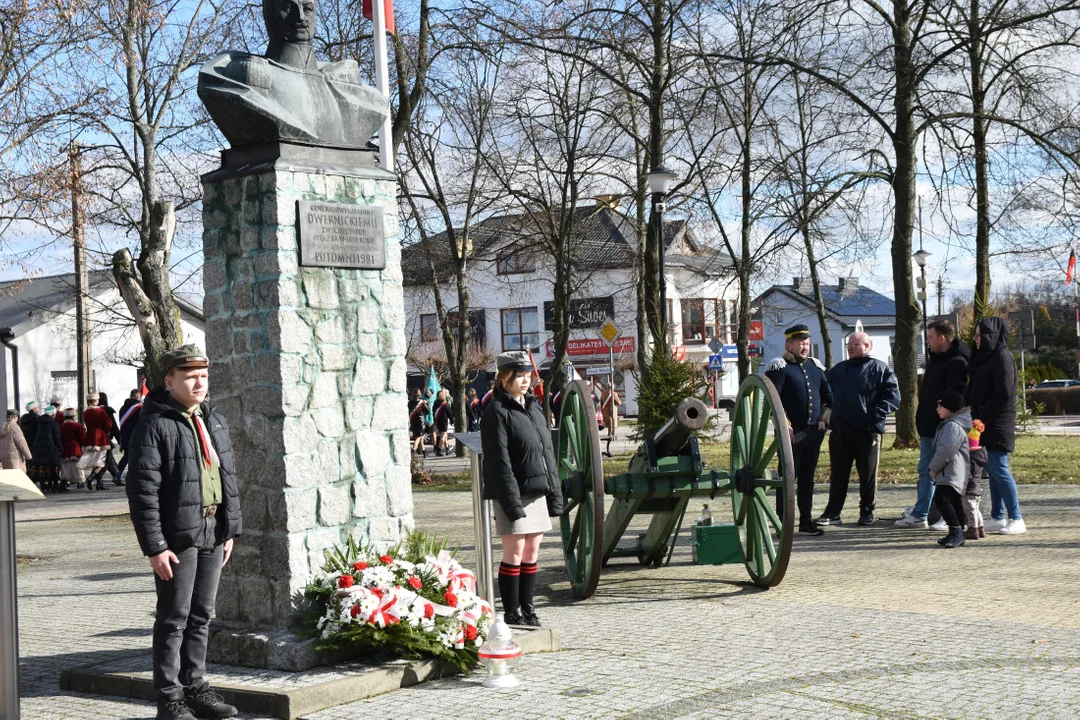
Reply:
x=116, y=353
x=493, y=292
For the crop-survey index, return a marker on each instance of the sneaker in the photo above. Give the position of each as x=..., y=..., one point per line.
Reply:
x=528, y=616
x=826, y=520
x=908, y=511
x=910, y=521
x=810, y=529
x=173, y=710
x=940, y=525
x=993, y=525
x=1013, y=527
x=208, y=704
x=867, y=518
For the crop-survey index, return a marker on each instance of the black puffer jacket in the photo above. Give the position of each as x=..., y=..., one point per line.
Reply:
x=46, y=446
x=164, y=481
x=519, y=460
x=28, y=423
x=992, y=389
x=945, y=371
x=864, y=393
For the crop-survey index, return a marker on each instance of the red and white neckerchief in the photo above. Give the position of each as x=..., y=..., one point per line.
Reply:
x=210, y=456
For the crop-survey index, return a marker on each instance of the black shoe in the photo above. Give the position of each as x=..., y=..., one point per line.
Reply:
x=943, y=540
x=100, y=485
x=810, y=529
x=826, y=520
x=208, y=704
x=513, y=617
x=173, y=710
x=956, y=537
x=866, y=517
x=528, y=616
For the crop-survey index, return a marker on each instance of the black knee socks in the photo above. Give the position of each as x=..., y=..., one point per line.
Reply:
x=528, y=584
x=509, y=582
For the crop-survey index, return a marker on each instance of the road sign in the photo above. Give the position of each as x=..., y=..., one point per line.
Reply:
x=597, y=371
x=715, y=345
x=716, y=362
x=757, y=330
x=1024, y=322
x=754, y=350
x=609, y=332
x=730, y=351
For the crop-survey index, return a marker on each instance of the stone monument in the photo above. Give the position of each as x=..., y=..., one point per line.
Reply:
x=304, y=327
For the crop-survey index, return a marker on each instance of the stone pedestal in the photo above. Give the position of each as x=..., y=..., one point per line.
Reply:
x=308, y=366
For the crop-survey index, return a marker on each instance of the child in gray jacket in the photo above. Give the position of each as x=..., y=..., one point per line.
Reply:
x=949, y=467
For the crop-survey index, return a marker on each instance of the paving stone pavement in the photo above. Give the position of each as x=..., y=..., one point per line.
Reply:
x=869, y=623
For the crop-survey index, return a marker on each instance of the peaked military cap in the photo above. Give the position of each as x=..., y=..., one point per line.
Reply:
x=513, y=360
x=798, y=332
x=185, y=356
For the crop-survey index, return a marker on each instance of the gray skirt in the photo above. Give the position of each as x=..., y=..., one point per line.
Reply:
x=536, y=518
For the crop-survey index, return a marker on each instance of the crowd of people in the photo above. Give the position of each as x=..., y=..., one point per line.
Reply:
x=59, y=451
x=966, y=420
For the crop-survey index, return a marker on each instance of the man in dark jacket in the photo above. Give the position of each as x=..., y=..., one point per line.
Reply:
x=992, y=397
x=946, y=370
x=864, y=392
x=28, y=423
x=805, y=394
x=185, y=507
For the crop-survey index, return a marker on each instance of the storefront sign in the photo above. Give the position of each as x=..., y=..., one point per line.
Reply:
x=579, y=348
x=584, y=312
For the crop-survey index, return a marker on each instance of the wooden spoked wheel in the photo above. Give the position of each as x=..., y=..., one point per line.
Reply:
x=582, y=474
x=762, y=464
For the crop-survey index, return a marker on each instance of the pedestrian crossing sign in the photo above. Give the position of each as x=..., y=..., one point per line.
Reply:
x=716, y=362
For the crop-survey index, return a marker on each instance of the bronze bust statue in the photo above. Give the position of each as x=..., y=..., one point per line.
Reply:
x=286, y=95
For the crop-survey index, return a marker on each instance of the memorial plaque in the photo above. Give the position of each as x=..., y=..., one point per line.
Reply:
x=339, y=235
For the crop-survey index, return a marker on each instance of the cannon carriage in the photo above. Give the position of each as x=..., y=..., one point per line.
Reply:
x=665, y=473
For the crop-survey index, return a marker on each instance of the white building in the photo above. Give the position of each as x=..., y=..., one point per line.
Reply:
x=846, y=304
x=40, y=313
x=511, y=289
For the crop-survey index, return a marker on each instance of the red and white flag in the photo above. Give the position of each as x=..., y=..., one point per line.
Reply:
x=388, y=13
x=143, y=390
x=1070, y=270
x=537, y=383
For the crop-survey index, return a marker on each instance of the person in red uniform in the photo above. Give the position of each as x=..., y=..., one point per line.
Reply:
x=72, y=439
x=98, y=426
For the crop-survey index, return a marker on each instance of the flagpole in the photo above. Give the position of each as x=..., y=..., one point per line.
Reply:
x=382, y=83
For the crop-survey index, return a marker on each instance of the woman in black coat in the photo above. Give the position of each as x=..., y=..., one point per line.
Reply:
x=417, y=411
x=45, y=467
x=520, y=474
x=991, y=394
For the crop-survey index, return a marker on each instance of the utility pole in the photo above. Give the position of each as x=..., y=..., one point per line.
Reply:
x=78, y=238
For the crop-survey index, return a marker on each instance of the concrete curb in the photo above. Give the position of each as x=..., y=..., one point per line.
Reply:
x=290, y=704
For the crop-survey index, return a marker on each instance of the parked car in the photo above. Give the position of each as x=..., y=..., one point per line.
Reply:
x=1057, y=384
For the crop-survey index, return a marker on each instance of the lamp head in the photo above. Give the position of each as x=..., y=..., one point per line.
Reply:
x=920, y=258
x=660, y=179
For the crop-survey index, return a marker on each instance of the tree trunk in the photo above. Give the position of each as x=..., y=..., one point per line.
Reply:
x=976, y=43
x=907, y=309
x=819, y=304
x=745, y=226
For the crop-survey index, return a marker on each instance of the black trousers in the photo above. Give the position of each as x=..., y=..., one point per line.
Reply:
x=805, y=452
x=951, y=505
x=863, y=449
x=185, y=605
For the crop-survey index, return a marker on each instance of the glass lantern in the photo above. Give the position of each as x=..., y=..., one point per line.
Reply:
x=499, y=655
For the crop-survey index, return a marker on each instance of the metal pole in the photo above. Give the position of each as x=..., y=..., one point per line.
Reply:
x=382, y=83
x=658, y=212
x=926, y=347
x=9, y=616
x=482, y=534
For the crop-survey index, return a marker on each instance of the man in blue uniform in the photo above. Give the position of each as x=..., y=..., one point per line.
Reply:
x=806, y=397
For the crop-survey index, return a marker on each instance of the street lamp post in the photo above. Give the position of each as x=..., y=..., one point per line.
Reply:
x=920, y=260
x=660, y=180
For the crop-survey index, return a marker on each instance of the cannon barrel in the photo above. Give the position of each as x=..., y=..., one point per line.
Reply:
x=690, y=416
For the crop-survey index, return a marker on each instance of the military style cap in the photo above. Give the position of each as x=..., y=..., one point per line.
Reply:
x=798, y=332
x=185, y=356
x=513, y=360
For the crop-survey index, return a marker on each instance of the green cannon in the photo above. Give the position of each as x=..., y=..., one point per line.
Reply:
x=665, y=473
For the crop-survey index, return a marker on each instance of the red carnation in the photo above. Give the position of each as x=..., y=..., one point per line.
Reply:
x=429, y=611
x=414, y=583
x=385, y=559
x=470, y=632
x=359, y=565
x=355, y=612
x=345, y=581
x=376, y=592
x=451, y=598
